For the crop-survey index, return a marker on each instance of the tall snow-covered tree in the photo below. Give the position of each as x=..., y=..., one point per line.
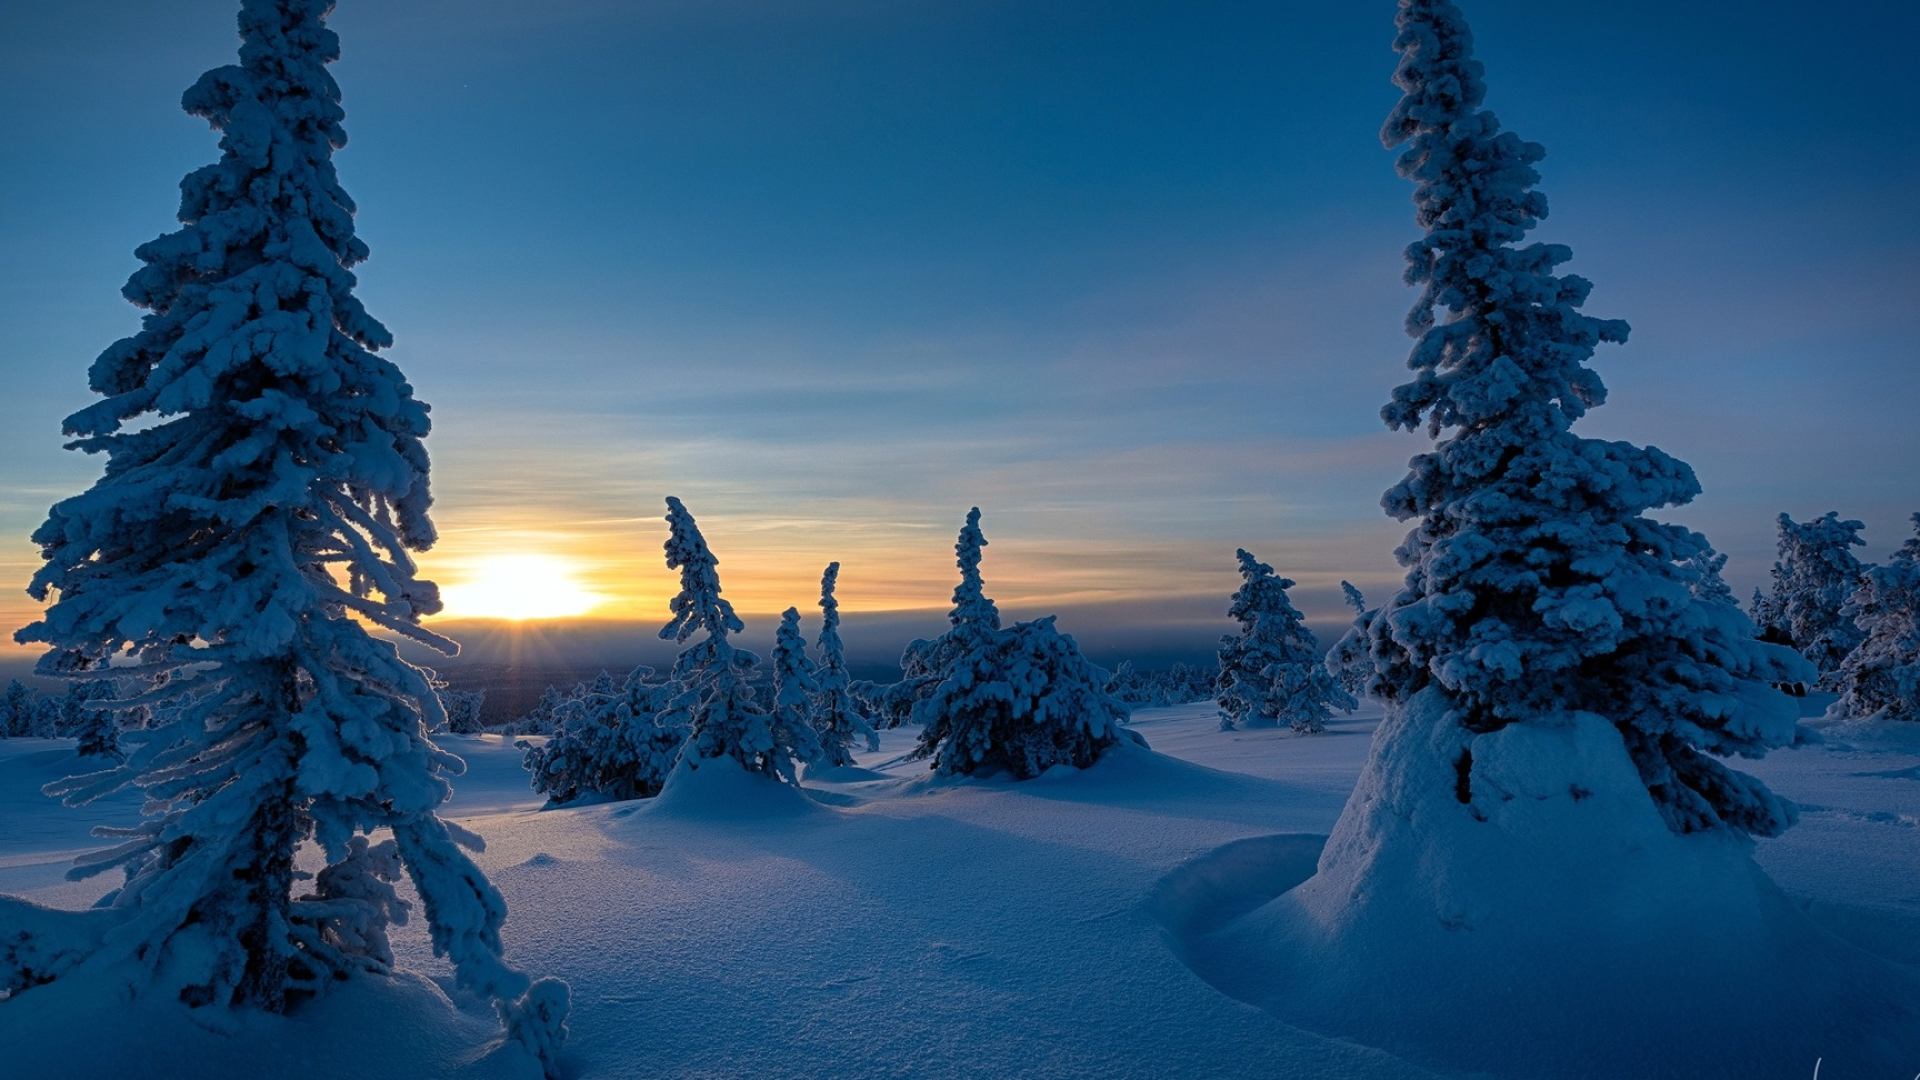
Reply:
x=1536, y=588
x=714, y=678
x=1019, y=700
x=1272, y=673
x=837, y=714
x=265, y=480
x=1547, y=827
x=1882, y=674
x=1815, y=575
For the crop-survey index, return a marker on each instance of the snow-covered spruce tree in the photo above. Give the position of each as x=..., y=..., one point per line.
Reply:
x=795, y=685
x=1023, y=701
x=544, y=717
x=463, y=709
x=1019, y=700
x=17, y=703
x=1272, y=672
x=264, y=482
x=1707, y=584
x=715, y=697
x=1881, y=676
x=1545, y=826
x=925, y=662
x=1537, y=591
x=1815, y=575
x=837, y=715
x=618, y=745
x=89, y=718
x=1349, y=661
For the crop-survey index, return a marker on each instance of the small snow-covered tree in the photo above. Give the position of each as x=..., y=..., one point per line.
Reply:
x=1018, y=700
x=1707, y=584
x=1815, y=575
x=794, y=689
x=17, y=710
x=345, y=918
x=925, y=662
x=1023, y=701
x=1178, y=685
x=544, y=717
x=49, y=717
x=716, y=698
x=1349, y=661
x=265, y=479
x=1881, y=676
x=837, y=715
x=88, y=717
x=618, y=745
x=1272, y=672
x=463, y=709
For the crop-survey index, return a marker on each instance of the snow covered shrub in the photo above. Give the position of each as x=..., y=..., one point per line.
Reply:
x=1816, y=574
x=1536, y=588
x=1022, y=702
x=1881, y=676
x=1272, y=672
x=463, y=709
x=714, y=695
x=264, y=482
x=1019, y=700
x=1178, y=685
x=837, y=713
x=618, y=745
x=1126, y=684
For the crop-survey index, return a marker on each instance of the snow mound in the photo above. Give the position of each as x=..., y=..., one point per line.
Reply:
x=719, y=789
x=1562, y=907
x=82, y=1026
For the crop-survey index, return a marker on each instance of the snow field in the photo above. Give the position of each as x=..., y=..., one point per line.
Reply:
x=887, y=923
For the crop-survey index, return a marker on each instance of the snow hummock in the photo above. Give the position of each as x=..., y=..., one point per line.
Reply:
x=1566, y=910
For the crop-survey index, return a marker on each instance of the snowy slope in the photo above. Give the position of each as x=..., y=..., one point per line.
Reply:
x=890, y=924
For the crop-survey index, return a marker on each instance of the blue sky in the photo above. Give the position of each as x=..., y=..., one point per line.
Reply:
x=1124, y=274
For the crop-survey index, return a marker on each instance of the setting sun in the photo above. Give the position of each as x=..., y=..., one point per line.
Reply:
x=519, y=587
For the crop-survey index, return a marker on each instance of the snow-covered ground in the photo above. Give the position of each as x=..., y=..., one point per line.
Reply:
x=888, y=924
